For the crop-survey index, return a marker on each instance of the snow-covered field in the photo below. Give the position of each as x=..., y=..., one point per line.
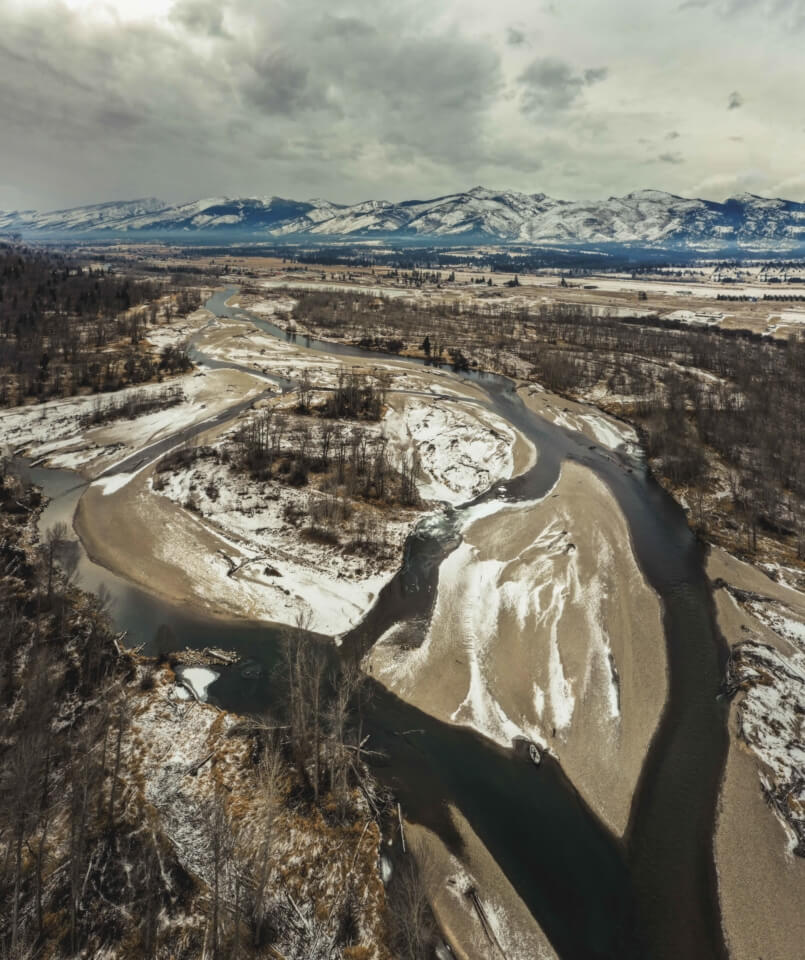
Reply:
x=53, y=432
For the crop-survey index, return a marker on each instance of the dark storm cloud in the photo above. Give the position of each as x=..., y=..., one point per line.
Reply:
x=200, y=16
x=595, y=75
x=107, y=99
x=277, y=84
x=550, y=84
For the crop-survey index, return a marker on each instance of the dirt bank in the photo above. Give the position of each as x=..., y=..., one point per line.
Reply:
x=510, y=922
x=761, y=882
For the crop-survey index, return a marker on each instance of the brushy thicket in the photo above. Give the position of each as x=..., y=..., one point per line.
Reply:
x=287, y=818
x=698, y=396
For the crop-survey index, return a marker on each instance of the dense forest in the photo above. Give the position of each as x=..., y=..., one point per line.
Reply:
x=719, y=410
x=65, y=328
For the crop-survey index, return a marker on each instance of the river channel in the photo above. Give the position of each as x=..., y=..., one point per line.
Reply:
x=652, y=894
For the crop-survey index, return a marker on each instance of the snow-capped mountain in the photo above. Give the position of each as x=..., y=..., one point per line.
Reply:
x=646, y=218
x=151, y=216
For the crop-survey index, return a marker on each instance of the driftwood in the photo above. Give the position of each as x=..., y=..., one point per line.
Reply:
x=472, y=893
x=192, y=771
x=298, y=911
x=220, y=655
x=235, y=568
x=190, y=689
x=364, y=791
x=402, y=828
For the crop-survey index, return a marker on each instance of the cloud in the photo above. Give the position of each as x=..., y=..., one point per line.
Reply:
x=736, y=101
x=378, y=98
x=199, y=16
x=788, y=14
x=595, y=75
x=348, y=27
x=549, y=84
x=276, y=83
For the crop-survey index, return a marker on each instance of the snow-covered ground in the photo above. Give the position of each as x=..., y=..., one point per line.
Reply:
x=771, y=709
x=239, y=341
x=278, y=307
x=463, y=449
x=705, y=318
x=179, y=752
x=289, y=573
x=179, y=331
x=583, y=418
x=198, y=679
x=53, y=432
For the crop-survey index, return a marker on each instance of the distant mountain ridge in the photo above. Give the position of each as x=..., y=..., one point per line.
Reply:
x=646, y=218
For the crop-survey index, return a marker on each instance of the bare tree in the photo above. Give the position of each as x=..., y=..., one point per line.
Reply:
x=411, y=916
x=220, y=845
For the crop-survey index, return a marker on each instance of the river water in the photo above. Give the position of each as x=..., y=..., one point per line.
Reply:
x=652, y=894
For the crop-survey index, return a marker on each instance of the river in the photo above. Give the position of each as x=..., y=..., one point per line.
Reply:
x=651, y=895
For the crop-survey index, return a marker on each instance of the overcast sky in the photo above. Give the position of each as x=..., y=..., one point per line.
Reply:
x=396, y=99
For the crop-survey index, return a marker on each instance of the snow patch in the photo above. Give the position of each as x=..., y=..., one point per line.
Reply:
x=199, y=679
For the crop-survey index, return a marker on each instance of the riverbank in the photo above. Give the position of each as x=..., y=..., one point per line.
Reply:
x=209, y=536
x=508, y=929
x=55, y=434
x=585, y=418
x=544, y=628
x=761, y=879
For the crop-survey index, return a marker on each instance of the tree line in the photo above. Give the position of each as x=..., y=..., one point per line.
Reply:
x=696, y=395
x=66, y=327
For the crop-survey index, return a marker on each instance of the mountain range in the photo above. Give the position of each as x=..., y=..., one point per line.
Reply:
x=645, y=218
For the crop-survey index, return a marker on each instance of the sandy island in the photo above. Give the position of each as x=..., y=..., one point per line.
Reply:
x=761, y=883
x=544, y=627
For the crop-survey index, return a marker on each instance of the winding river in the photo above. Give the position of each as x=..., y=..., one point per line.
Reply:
x=652, y=894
